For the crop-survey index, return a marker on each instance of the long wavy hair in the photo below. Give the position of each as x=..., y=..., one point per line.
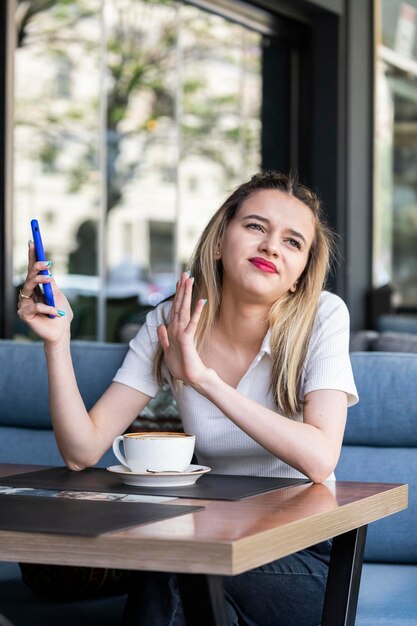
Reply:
x=292, y=316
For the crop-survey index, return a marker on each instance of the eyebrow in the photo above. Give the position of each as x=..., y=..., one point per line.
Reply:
x=293, y=232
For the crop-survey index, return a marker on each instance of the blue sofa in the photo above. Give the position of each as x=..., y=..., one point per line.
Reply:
x=25, y=423
x=26, y=437
x=380, y=445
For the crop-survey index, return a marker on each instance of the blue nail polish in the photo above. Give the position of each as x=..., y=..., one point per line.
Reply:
x=205, y=301
x=47, y=263
x=189, y=273
x=61, y=313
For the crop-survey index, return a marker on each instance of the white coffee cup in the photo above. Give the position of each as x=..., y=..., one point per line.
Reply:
x=155, y=451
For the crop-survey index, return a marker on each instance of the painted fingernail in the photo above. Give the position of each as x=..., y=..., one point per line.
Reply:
x=47, y=263
x=49, y=274
x=189, y=273
x=29, y=242
x=205, y=301
x=61, y=313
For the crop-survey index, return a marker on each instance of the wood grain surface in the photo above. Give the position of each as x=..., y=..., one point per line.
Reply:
x=225, y=537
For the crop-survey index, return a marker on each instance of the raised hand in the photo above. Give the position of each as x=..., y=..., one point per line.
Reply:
x=177, y=337
x=34, y=312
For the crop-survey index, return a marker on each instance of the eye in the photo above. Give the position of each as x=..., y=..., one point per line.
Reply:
x=255, y=226
x=294, y=243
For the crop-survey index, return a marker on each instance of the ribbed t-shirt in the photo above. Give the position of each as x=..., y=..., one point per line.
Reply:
x=221, y=444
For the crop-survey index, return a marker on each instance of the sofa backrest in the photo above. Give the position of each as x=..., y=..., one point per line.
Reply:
x=387, y=341
x=380, y=445
x=394, y=342
x=397, y=322
x=24, y=382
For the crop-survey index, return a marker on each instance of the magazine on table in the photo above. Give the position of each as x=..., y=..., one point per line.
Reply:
x=82, y=495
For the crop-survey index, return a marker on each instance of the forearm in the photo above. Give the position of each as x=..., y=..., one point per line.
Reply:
x=74, y=430
x=300, y=445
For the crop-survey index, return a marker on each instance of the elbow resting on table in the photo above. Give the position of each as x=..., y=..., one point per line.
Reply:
x=319, y=477
x=76, y=463
x=320, y=471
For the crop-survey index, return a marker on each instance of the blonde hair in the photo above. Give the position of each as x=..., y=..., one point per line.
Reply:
x=291, y=318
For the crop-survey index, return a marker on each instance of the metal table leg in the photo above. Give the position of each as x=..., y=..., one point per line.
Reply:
x=203, y=600
x=345, y=570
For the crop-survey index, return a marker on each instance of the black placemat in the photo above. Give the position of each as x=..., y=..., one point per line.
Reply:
x=65, y=516
x=208, y=487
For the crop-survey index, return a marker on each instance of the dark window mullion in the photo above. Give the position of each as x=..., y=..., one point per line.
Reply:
x=7, y=295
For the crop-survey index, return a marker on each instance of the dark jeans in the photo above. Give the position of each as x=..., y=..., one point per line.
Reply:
x=287, y=592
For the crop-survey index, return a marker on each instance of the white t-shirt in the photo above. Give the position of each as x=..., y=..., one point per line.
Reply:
x=221, y=444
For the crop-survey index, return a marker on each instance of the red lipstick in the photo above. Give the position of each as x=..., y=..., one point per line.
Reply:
x=263, y=265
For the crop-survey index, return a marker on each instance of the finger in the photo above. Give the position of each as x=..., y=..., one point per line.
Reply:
x=181, y=293
x=41, y=279
x=33, y=263
x=32, y=287
x=175, y=298
x=41, y=266
x=55, y=288
x=195, y=317
x=163, y=337
x=30, y=310
x=185, y=311
x=31, y=253
x=34, y=278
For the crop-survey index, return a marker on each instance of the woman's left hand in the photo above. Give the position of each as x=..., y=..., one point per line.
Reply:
x=177, y=338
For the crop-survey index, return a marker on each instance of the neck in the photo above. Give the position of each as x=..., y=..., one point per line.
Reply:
x=242, y=323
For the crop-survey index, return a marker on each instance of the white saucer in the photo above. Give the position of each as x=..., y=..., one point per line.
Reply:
x=165, y=479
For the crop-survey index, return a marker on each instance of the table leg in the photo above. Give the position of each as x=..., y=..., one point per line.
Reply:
x=203, y=600
x=344, y=577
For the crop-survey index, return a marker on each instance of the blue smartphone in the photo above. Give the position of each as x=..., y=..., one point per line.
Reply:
x=40, y=256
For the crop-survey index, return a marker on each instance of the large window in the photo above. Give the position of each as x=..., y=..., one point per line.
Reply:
x=395, y=211
x=133, y=119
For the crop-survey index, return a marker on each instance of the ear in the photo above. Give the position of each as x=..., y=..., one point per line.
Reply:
x=293, y=289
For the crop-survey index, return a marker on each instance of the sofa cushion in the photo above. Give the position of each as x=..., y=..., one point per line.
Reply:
x=395, y=342
x=24, y=382
x=393, y=538
x=362, y=340
x=386, y=414
x=387, y=595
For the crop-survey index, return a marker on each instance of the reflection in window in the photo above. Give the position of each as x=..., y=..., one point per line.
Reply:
x=63, y=77
x=135, y=138
x=395, y=211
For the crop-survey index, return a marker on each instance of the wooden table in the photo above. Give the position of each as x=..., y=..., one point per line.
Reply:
x=227, y=538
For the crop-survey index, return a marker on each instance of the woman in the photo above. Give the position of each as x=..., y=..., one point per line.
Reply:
x=257, y=357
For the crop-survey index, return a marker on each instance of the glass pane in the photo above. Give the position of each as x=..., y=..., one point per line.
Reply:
x=220, y=117
x=395, y=259
x=142, y=156
x=399, y=26
x=144, y=115
x=184, y=128
x=56, y=137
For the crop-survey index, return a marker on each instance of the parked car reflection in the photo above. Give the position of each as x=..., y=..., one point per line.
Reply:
x=148, y=292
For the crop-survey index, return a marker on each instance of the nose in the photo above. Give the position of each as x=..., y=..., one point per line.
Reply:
x=270, y=245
